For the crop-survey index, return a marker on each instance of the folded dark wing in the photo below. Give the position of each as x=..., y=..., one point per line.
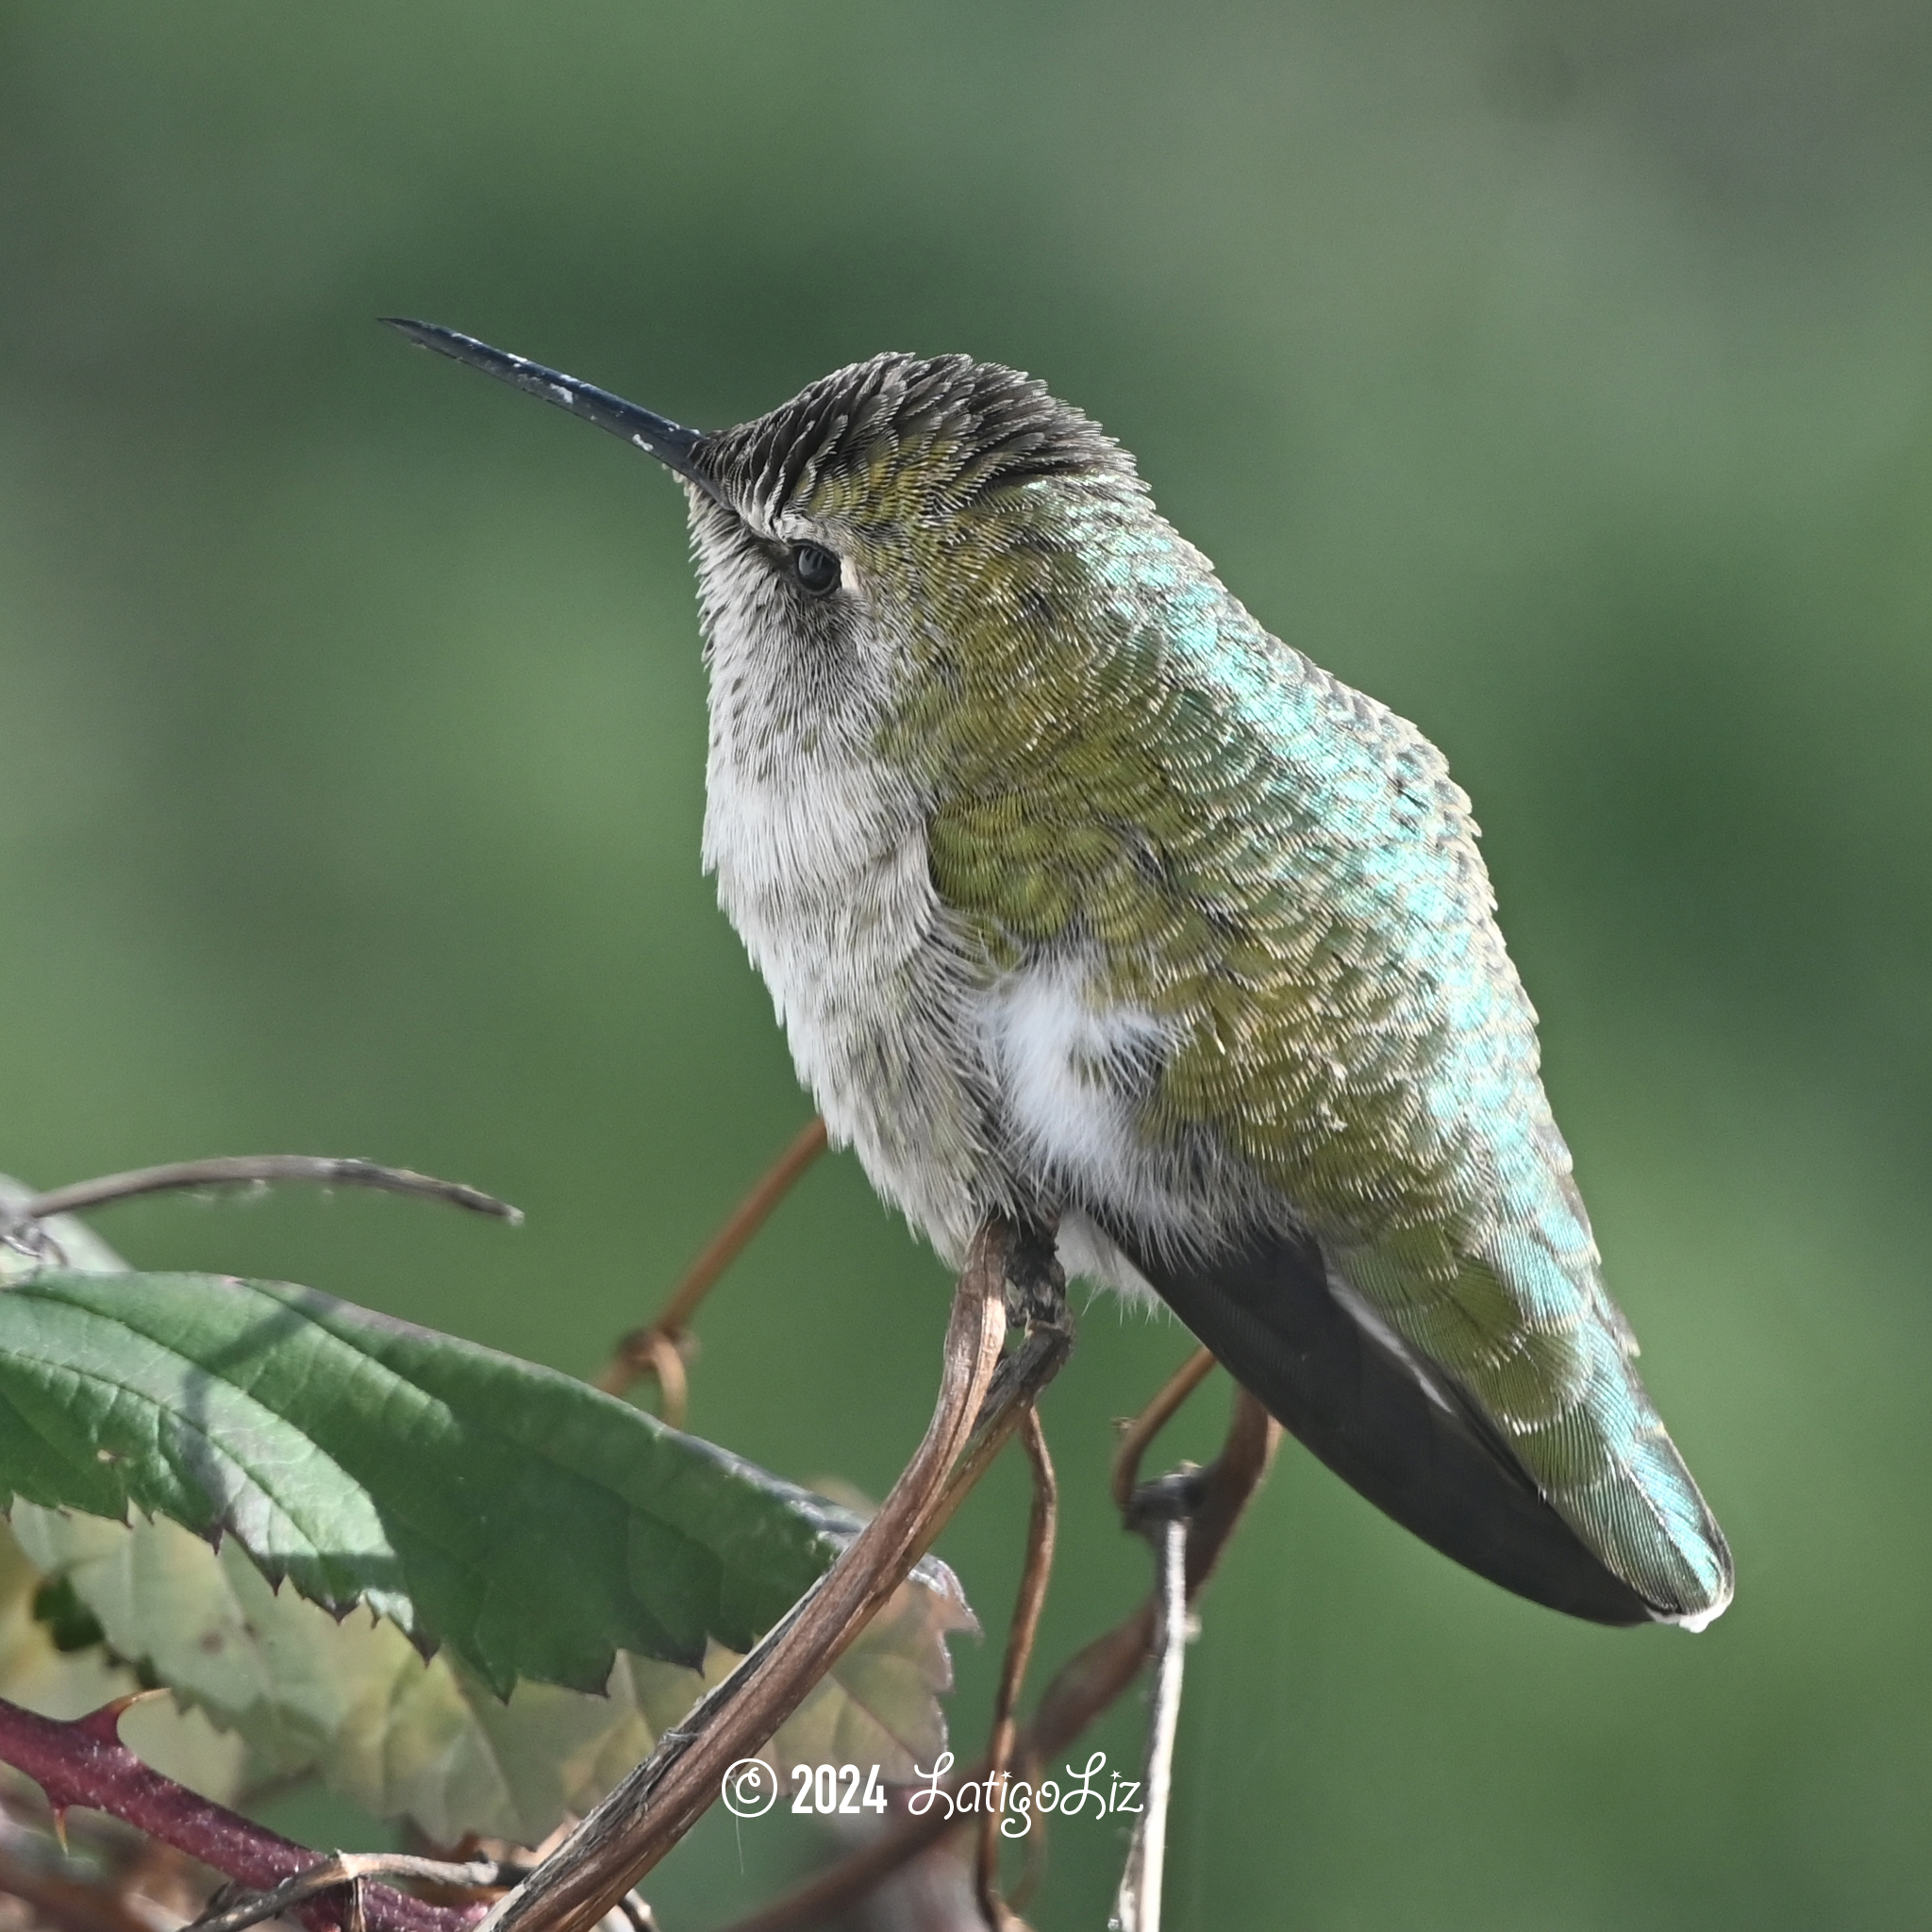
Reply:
x=1382, y=1422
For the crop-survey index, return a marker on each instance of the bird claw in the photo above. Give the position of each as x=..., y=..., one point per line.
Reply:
x=1035, y=1283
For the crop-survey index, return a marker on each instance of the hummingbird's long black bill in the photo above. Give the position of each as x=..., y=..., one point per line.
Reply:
x=672, y=443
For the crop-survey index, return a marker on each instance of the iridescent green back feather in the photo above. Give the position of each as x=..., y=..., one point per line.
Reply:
x=1282, y=872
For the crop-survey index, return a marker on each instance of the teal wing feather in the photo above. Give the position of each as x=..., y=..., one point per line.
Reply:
x=1414, y=1139
x=1282, y=873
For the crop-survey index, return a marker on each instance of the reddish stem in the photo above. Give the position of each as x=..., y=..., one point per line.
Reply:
x=86, y=1763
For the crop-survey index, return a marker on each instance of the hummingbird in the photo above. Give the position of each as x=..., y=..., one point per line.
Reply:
x=1085, y=900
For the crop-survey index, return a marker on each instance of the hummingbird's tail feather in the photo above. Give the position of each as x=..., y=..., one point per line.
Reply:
x=1398, y=1432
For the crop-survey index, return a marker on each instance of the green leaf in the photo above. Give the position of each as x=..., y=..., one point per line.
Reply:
x=531, y=1524
x=352, y=1698
x=426, y=1738
x=34, y=1672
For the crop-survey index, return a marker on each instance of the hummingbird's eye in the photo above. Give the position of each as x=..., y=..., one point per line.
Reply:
x=816, y=568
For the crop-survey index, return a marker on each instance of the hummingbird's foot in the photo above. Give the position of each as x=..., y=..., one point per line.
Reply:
x=1036, y=1285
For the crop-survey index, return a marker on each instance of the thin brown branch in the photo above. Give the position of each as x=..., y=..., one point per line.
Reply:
x=1042, y=1526
x=1089, y=1682
x=652, y=1352
x=664, y=1796
x=350, y=1868
x=655, y=1348
x=1032, y=1365
x=1153, y=1418
x=255, y=1170
x=85, y=1763
x=1086, y=1685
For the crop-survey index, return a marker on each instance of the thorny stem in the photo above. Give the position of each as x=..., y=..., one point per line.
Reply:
x=85, y=1763
x=1041, y=1525
x=351, y=1868
x=251, y=1169
x=637, y=1823
x=655, y=1349
x=1161, y=1509
x=1085, y=1686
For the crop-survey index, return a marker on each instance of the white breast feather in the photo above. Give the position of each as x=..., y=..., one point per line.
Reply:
x=820, y=852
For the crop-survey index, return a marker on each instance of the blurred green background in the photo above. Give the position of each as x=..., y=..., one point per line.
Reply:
x=1558, y=373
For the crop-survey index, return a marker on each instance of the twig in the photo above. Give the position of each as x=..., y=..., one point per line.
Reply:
x=633, y=1827
x=655, y=1348
x=350, y=1868
x=1085, y=1686
x=1031, y=1366
x=249, y=1170
x=1041, y=1525
x=1152, y=1420
x=85, y=1763
x=1094, y=1678
x=1161, y=1509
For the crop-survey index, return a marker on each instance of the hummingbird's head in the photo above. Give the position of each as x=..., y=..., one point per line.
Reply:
x=859, y=547
x=902, y=529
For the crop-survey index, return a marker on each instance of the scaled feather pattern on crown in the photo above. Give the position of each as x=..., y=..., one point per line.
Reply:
x=946, y=425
